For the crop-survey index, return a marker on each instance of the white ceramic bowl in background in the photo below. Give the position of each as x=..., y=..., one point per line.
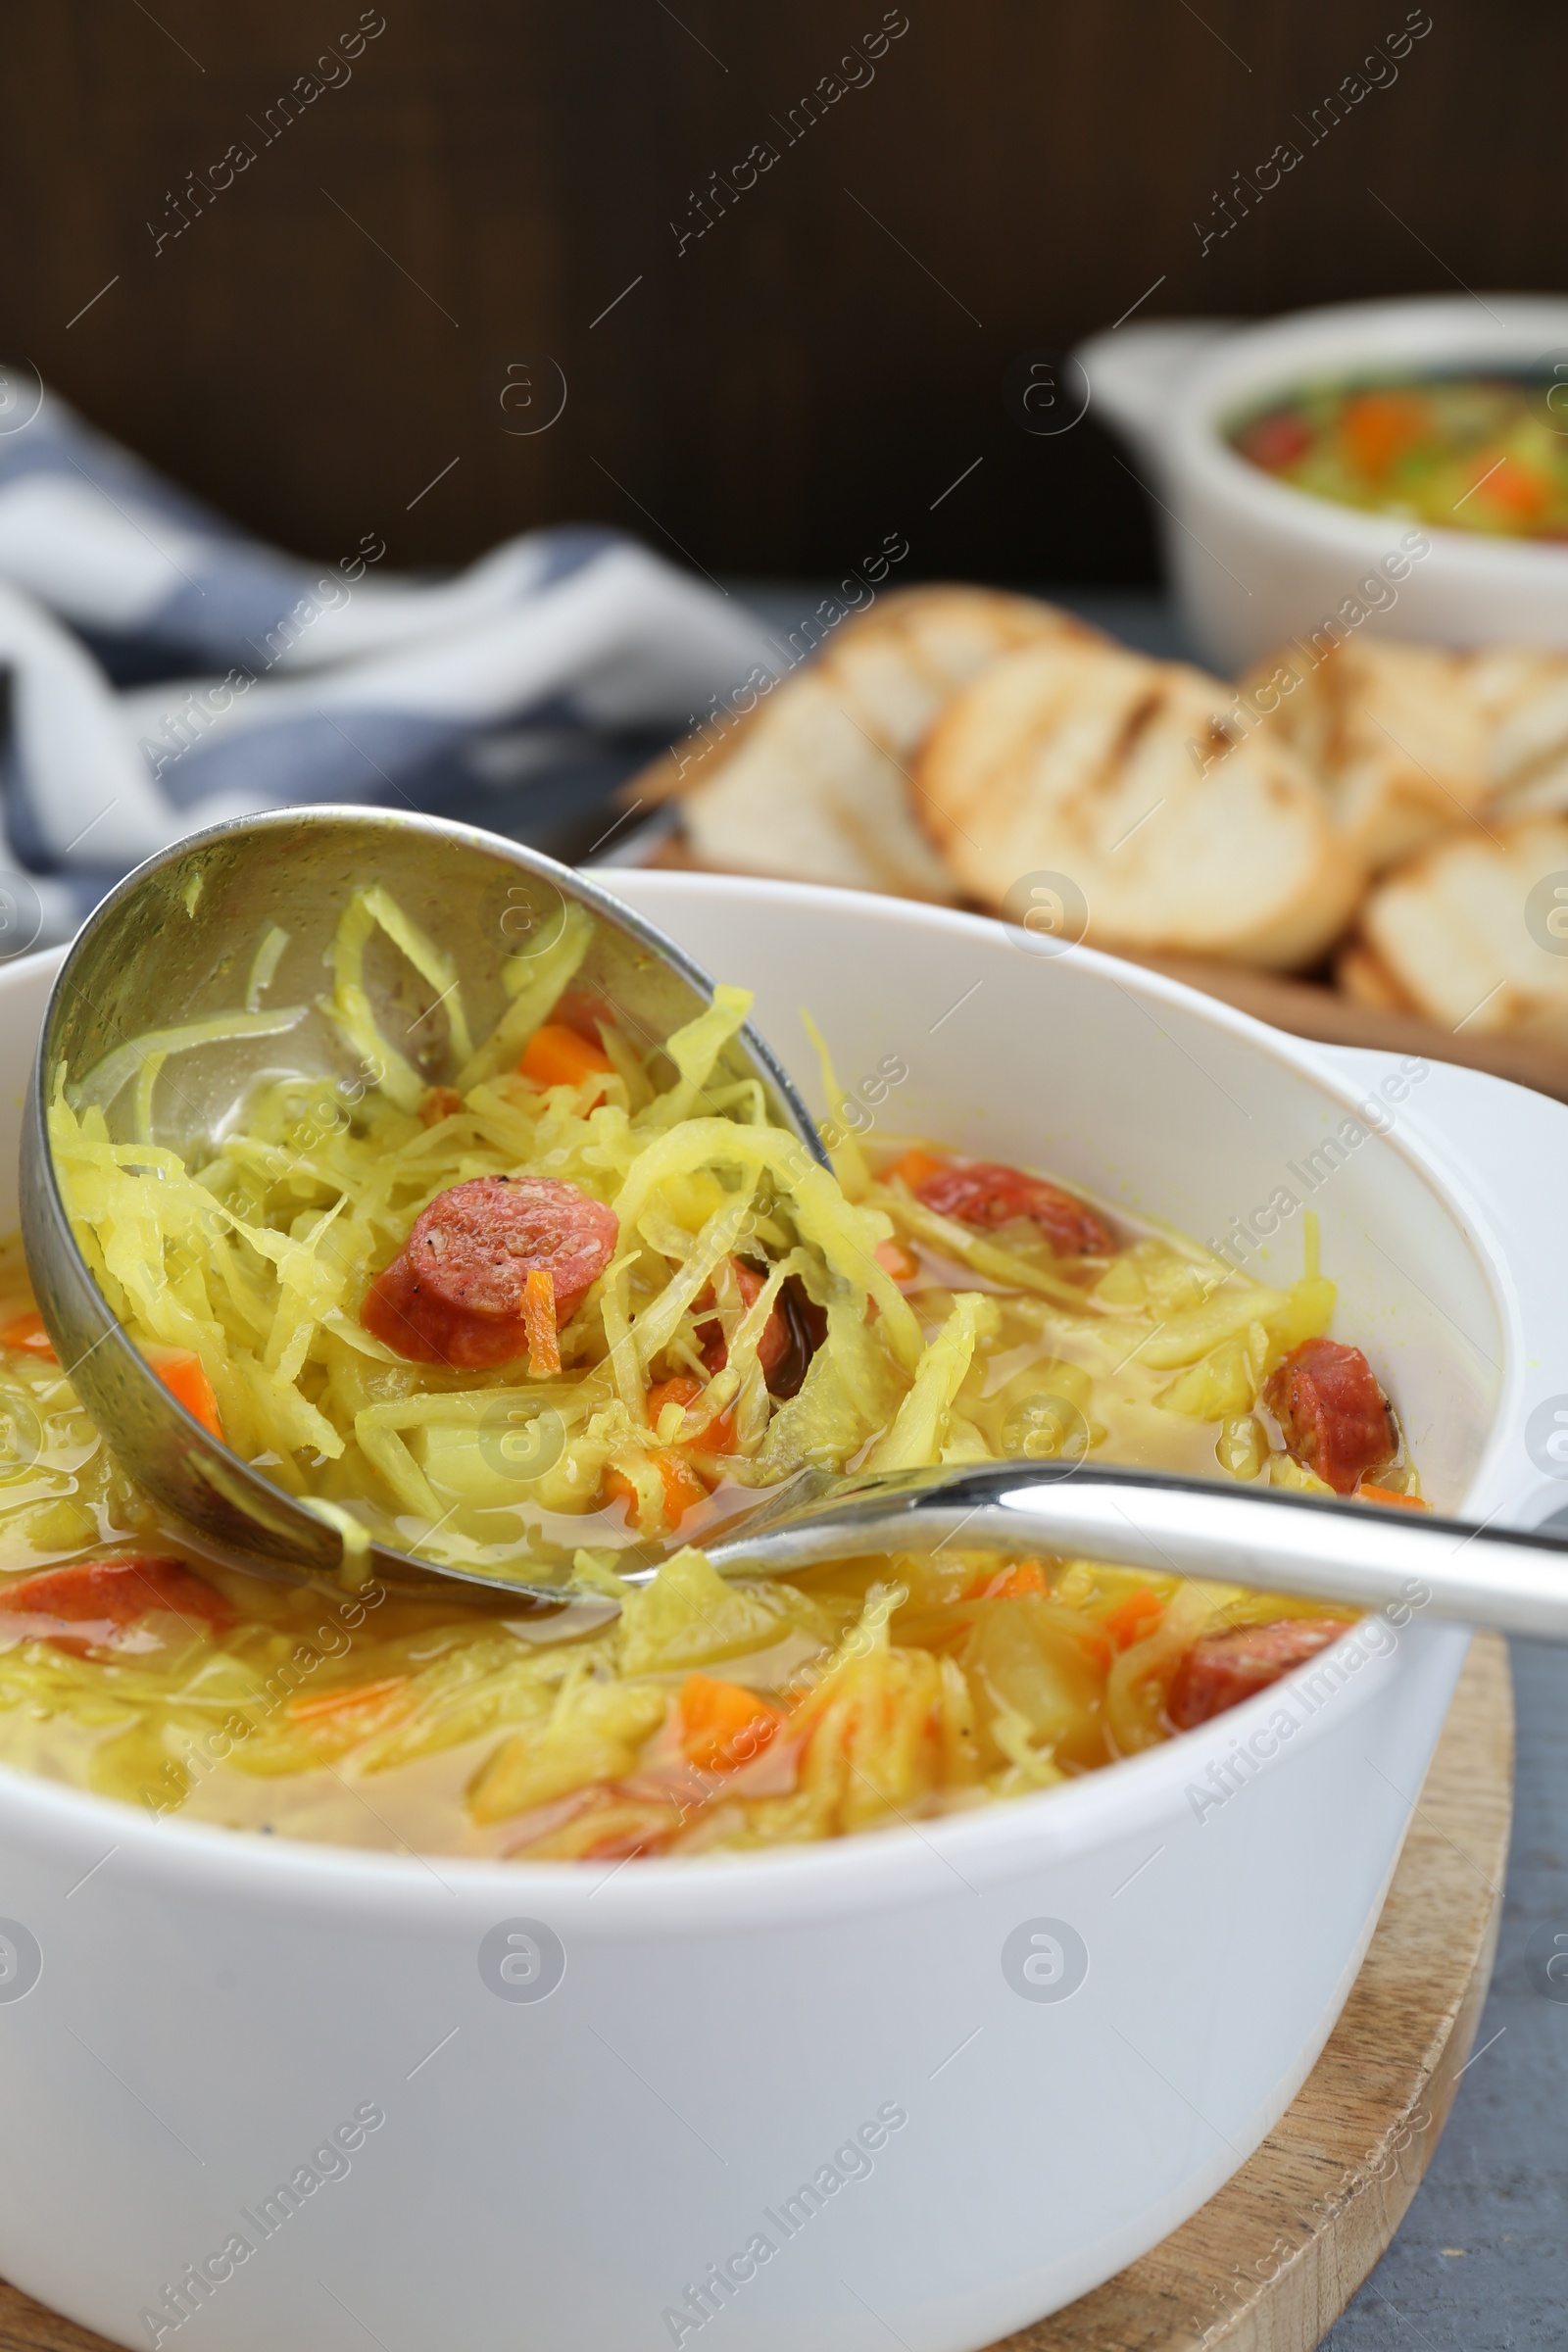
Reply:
x=1255, y=562
x=564, y=2171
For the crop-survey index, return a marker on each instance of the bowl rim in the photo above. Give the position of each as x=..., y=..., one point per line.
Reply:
x=880, y=1869
x=1275, y=354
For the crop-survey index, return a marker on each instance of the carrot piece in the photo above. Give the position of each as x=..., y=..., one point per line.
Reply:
x=682, y=1390
x=895, y=1260
x=28, y=1331
x=539, y=1320
x=1517, y=488
x=1378, y=428
x=681, y=1484
x=916, y=1167
x=719, y=1436
x=1366, y=1491
x=439, y=1103
x=1011, y=1583
x=1133, y=1619
x=722, y=1724
x=185, y=1376
x=344, y=1701
x=556, y=1055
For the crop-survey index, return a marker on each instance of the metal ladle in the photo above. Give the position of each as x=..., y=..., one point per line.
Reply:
x=1271, y=1538
x=178, y=942
x=175, y=942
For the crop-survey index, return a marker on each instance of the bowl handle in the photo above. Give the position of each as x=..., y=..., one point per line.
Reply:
x=1136, y=373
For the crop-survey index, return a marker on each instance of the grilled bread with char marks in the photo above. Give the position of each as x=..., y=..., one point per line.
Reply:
x=1124, y=774
x=818, y=785
x=1460, y=934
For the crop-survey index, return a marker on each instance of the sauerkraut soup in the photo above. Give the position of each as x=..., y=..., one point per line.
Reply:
x=1464, y=452
x=584, y=1299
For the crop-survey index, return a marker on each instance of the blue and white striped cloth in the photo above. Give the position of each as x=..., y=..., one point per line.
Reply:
x=166, y=671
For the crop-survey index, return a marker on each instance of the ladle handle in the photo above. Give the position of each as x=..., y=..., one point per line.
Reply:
x=1270, y=1539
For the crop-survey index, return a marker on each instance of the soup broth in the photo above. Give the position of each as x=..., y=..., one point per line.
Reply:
x=693, y=1714
x=1467, y=452
x=584, y=1299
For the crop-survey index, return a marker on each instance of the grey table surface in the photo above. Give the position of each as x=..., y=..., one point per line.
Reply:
x=1481, y=2262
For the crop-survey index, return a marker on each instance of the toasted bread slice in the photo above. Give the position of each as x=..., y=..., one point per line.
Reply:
x=820, y=784
x=1395, y=733
x=1469, y=931
x=812, y=794
x=1121, y=773
x=1522, y=692
x=1361, y=974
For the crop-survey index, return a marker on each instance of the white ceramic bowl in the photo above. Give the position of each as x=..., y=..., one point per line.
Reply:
x=564, y=2172
x=1255, y=562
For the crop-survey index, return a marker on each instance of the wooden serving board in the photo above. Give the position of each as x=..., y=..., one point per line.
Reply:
x=1308, y=1009
x=1269, y=2263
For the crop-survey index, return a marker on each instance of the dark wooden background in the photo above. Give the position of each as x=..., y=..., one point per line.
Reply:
x=335, y=328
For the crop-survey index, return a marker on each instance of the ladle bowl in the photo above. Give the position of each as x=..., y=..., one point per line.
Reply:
x=235, y=925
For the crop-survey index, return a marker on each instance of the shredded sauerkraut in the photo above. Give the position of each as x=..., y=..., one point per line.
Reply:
x=687, y=1715
x=255, y=1255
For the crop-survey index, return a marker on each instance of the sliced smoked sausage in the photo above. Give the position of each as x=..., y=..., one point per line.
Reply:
x=984, y=1194
x=792, y=1335
x=711, y=1335
x=86, y=1604
x=455, y=1296
x=1222, y=1669
x=1335, y=1418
